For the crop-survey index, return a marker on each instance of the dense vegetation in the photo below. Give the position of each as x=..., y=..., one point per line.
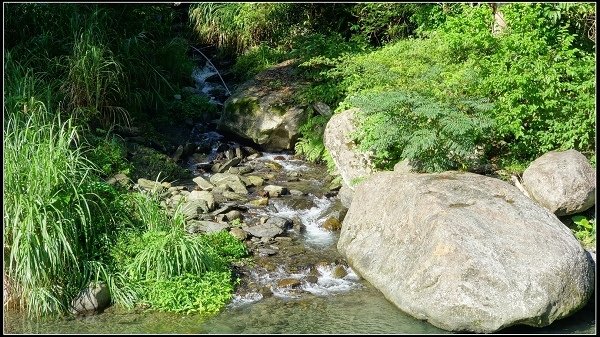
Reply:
x=73, y=73
x=457, y=95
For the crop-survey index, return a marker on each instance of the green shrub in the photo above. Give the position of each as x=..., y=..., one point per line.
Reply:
x=585, y=230
x=191, y=293
x=225, y=245
x=310, y=145
x=108, y=153
x=150, y=164
x=433, y=136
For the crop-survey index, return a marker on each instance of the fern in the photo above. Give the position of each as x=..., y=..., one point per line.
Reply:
x=310, y=145
x=434, y=136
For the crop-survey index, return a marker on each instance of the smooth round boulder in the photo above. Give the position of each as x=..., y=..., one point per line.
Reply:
x=562, y=181
x=464, y=252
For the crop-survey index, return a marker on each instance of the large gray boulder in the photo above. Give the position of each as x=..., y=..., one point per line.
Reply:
x=352, y=165
x=563, y=182
x=265, y=109
x=464, y=251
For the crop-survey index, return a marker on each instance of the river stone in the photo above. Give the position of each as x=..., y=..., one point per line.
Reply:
x=228, y=164
x=206, y=196
x=275, y=191
x=240, y=170
x=233, y=215
x=191, y=208
x=94, y=299
x=150, y=185
x=350, y=163
x=563, y=182
x=206, y=227
x=235, y=196
x=264, y=109
x=464, y=252
x=238, y=233
x=260, y=202
x=203, y=183
x=346, y=194
x=231, y=180
x=266, y=252
x=288, y=283
x=332, y=224
x=271, y=228
x=119, y=178
x=255, y=180
x=339, y=272
x=296, y=192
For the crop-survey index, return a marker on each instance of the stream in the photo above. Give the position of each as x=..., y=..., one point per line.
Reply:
x=298, y=283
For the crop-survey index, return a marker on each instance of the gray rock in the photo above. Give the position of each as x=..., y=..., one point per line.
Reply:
x=206, y=196
x=272, y=227
x=235, y=196
x=464, y=252
x=120, y=179
x=350, y=163
x=240, y=170
x=222, y=209
x=229, y=164
x=233, y=215
x=203, y=183
x=323, y=109
x=206, y=227
x=346, y=194
x=231, y=180
x=191, y=208
x=238, y=233
x=264, y=109
x=296, y=192
x=563, y=182
x=275, y=191
x=150, y=185
x=92, y=300
x=254, y=180
x=266, y=252
x=403, y=166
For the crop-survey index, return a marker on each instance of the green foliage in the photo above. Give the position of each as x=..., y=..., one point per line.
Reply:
x=256, y=59
x=380, y=23
x=433, y=136
x=49, y=214
x=310, y=145
x=191, y=293
x=109, y=154
x=196, y=107
x=148, y=163
x=585, y=230
x=225, y=245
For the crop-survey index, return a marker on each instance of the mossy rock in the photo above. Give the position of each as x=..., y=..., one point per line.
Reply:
x=149, y=163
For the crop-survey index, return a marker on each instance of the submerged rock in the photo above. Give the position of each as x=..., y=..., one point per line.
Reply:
x=465, y=252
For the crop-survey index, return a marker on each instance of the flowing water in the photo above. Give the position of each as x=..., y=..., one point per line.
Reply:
x=329, y=303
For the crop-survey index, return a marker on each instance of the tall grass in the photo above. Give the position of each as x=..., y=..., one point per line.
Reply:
x=46, y=214
x=94, y=82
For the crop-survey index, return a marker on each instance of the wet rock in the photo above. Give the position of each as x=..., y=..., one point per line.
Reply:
x=94, y=299
x=253, y=156
x=296, y=192
x=332, y=224
x=288, y=283
x=192, y=208
x=260, y=202
x=279, y=158
x=275, y=191
x=323, y=109
x=339, y=272
x=273, y=166
x=238, y=233
x=311, y=279
x=203, y=183
x=272, y=227
x=265, y=113
x=228, y=164
x=222, y=209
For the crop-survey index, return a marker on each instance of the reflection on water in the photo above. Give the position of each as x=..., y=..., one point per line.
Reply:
x=363, y=310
